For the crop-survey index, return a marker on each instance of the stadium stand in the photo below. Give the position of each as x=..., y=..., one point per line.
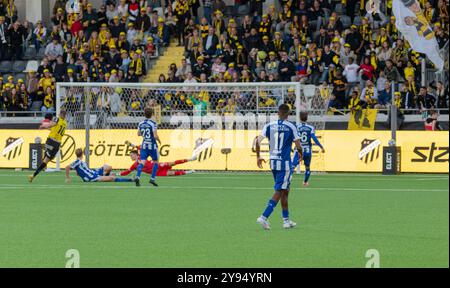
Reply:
x=310, y=41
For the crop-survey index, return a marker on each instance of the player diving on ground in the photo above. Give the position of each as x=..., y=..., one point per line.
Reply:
x=165, y=168
x=92, y=175
x=57, y=128
x=281, y=134
x=306, y=132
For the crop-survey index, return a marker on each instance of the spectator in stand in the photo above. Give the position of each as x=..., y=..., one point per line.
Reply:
x=351, y=74
x=53, y=50
x=442, y=97
x=369, y=95
x=49, y=101
x=384, y=96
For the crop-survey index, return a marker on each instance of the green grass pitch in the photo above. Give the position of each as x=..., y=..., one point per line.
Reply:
x=209, y=220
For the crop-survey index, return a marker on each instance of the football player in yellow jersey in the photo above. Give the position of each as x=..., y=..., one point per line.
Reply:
x=57, y=129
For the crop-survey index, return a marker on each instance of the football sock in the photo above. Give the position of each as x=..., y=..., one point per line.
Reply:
x=123, y=180
x=154, y=170
x=269, y=209
x=285, y=214
x=177, y=162
x=179, y=173
x=139, y=170
x=307, y=174
x=39, y=169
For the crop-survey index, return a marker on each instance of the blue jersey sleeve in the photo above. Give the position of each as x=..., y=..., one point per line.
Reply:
x=313, y=136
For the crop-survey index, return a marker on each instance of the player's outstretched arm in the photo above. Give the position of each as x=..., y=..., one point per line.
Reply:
x=68, y=179
x=259, y=160
x=157, y=136
x=313, y=136
x=298, y=146
x=46, y=125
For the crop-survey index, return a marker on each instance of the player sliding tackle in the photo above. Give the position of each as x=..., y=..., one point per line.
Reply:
x=281, y=134
x=306, y=133
x=149, y=147
x=91, y=175
x=165, y=168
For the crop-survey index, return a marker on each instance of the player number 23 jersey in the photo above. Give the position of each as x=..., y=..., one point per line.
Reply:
x=147, y=130
x=280, y=134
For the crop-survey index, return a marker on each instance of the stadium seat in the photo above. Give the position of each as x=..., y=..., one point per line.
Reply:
x=338, y=8
x=41, y=53
x=346, y=21
x=32, y=65
x=30, y=53
x=357, y=21
x=6, y=66
x=18, y=76
x=19, y=66
x=243, y=9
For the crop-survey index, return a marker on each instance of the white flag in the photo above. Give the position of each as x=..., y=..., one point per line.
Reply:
x=411, y=22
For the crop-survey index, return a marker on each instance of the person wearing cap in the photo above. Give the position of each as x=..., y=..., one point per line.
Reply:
x=46, y=81
x=59, y=17
x=355, y=40
x=365, y=31
x=138, y=64
x=218, y=23
x=112, y=57
x=264, y=26
x=182, y=14
x=39, y=34
x=116, y=27
x=200, y=67
x=122, y=43
x=150, y=48
x=161, y=32
x=132, y=32
x=271, y=66
x=345, y=54
x=143, y=22
x=70, y=76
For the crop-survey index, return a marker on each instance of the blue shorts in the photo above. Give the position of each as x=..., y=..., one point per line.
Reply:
x=282, y=179
x=99, y=171
x=93, y=178
x=307, y=159
x=153, y=153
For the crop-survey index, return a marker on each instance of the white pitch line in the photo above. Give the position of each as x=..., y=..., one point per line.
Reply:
x=32, y=186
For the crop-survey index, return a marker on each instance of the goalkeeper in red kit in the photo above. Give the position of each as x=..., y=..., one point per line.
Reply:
x=165, y=168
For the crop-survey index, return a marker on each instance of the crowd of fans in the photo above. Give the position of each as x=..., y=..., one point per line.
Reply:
x=322, y=42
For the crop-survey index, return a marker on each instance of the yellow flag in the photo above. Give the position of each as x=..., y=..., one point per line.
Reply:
x=362, y=119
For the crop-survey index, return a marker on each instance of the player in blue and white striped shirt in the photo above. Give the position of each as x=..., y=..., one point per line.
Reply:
x=149, y=147
x=306, y=132
x=281, y=134
x=92, y=175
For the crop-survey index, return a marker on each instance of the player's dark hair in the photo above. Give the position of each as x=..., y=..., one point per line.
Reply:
x=79, y=152
x=62, y=113
x=48, y=116
x=148, y=112
x=304, y=116
x=283, y=110
x=134, y=152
